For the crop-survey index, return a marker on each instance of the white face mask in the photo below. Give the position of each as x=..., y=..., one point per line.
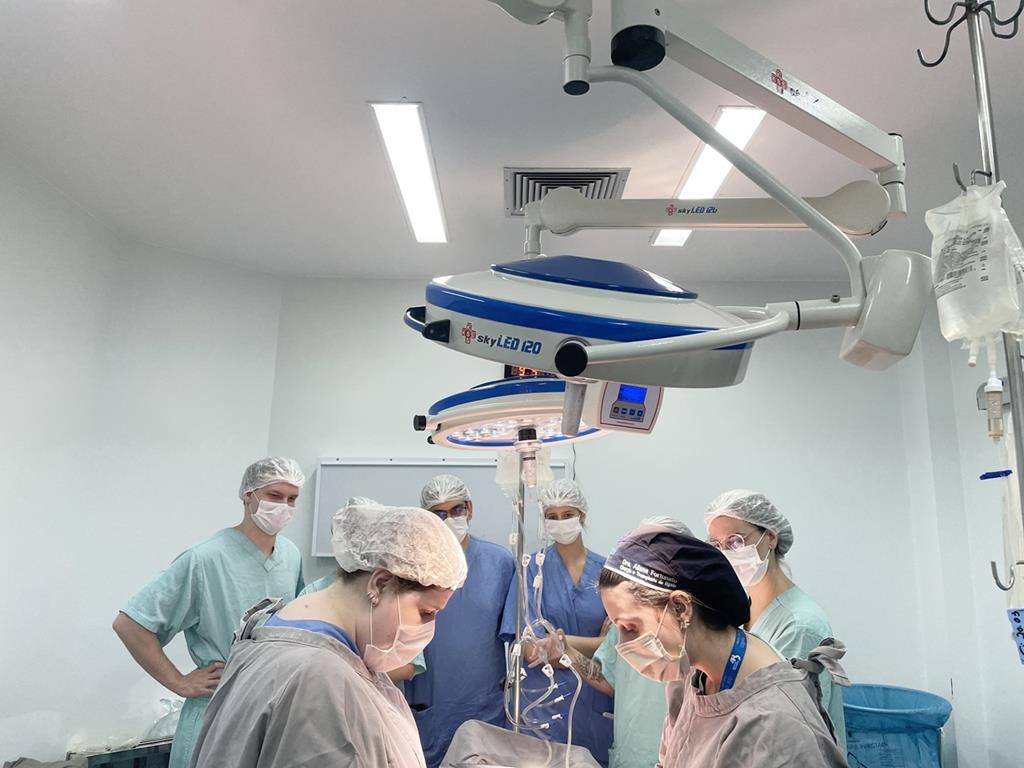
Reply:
x=647, y=655
x=409, y=640
x=564, y=531
x=272, y=517
x=747, y=563
x=459, y=526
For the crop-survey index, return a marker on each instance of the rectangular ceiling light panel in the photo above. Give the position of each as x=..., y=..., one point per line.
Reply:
x=403, y=131
x=708, y=172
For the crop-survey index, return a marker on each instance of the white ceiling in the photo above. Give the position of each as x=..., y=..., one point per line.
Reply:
x=238, y=129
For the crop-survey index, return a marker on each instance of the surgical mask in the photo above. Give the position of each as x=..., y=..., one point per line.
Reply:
x=749, y=566
x=408, y=642
x=272, y=517
x=563, y=531
x=647, y=655
x=459, y=526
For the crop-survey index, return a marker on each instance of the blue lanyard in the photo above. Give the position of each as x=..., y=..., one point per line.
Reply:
x=732, y=666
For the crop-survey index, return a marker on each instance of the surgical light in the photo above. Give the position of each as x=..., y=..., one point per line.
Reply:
x=709, y=171
x=404, y=133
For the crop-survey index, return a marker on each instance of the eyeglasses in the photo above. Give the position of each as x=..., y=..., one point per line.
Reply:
x=734, y=541
x=460, y=510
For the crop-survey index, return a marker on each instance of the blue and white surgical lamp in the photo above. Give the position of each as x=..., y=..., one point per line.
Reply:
x=593, y=320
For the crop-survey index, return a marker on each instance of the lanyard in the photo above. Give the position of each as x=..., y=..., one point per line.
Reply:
x=732, y=666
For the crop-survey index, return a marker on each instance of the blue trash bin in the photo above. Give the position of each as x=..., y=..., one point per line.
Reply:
x=889, y=726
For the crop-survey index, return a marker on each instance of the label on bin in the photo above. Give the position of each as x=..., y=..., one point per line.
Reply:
x=1016, y=616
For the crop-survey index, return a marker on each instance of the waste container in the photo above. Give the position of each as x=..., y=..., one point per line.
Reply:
x=889, y=727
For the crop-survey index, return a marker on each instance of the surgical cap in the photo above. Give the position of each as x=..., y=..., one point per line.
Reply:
x=362, y=501
x=756, y=509
x=563, y=493
x=661, y=522
x=268, y=471
x=442, y=489
x=666, y=561
x=410, y=543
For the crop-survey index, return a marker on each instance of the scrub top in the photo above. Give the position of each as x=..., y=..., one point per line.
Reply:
x=795, y=625
x=577, y=610
x=204, y=593
x=419, y=664
x=640, y=709
x=292, y=697
x=466, y=659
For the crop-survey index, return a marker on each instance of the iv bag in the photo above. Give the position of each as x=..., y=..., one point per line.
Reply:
x=976, y=266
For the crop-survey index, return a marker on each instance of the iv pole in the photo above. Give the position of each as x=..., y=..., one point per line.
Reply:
x=990, y=168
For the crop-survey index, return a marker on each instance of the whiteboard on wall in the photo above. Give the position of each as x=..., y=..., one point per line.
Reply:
x=398, y=482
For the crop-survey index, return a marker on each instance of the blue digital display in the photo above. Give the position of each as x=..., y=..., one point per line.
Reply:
x=632, y=394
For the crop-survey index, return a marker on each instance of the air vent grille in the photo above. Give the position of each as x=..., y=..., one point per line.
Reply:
x=527, y=185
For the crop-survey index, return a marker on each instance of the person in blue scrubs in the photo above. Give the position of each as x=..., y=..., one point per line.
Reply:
x=208, y=588
x=465, y=662
x=570, y=602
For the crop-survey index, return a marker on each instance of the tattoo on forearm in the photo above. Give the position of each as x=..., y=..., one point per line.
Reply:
x=589, y=669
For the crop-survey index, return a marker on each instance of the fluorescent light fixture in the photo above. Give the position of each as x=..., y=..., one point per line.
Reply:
x=404, y=133
x=709, y=171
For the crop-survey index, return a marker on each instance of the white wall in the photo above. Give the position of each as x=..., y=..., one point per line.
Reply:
x=139, y=383
x=135, y=387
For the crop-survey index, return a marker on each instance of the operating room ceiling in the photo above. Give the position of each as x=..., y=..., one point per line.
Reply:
x=239, y=131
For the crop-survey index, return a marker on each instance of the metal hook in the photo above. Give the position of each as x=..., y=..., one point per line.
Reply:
x=959, y=182
x=1013, y=575
x=971, y=6
x=977, y=172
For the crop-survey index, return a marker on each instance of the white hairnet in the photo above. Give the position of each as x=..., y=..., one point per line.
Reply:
x=670, y=523
x=362, y=501
x=442, y=489
x=274, y=469
x=756, y=509
x=563, y=493
x=406, y=541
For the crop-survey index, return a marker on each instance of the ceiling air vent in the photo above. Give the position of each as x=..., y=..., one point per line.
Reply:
x=526, y=185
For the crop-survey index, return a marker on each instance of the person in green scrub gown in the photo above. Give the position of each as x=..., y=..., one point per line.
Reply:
x=755, y=537
x=640, y=705
x=207, y=588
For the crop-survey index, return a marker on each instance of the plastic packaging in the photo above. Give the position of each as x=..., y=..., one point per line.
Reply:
x=977, y=264
x=165, y=726
x=888, y=726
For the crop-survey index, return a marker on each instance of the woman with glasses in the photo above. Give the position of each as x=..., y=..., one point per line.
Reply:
x=755, y=537
x=465, y=662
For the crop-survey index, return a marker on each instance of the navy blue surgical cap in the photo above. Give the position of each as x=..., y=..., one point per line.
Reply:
x=666, y=561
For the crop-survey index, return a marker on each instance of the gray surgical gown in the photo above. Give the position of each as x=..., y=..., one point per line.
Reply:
x=772, y=719
x=292, y=698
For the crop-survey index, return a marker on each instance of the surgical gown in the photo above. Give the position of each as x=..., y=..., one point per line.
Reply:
x=771, y=719
x=640, y=709
x=795, y=625
x=419, y=664
x=293, y=698
x=577, y=610
x=466, y=659
x=204, y=593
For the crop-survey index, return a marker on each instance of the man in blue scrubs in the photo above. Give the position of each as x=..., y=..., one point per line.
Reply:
x=464, y=679
x=205, y=591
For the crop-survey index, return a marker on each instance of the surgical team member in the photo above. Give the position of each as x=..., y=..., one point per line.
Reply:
x=732, y=700
x=398, y=676
x=306, y=687
x=205, y=591
x=640, y=706
x=571, y=603
x=755, y=537
x=466, y=659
